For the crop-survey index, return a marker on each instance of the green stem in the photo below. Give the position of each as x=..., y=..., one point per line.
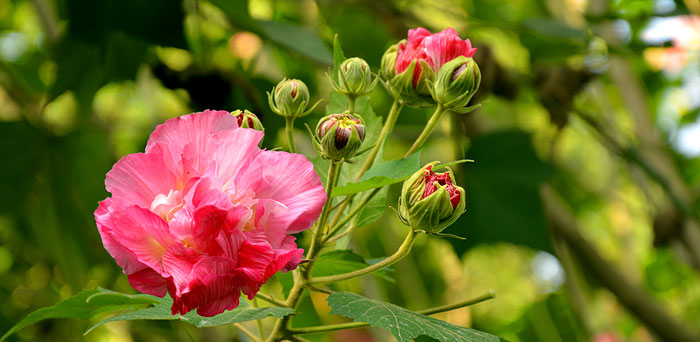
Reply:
x=439, y=309
x=302, y=277
x=261, y=331
x=389, y=124
x=289, y=128
x=403, y=250
x=270, y=299
x=386, y=130
x=351, y=104
x=333, y=172
x=351, y=214
x=429, y=127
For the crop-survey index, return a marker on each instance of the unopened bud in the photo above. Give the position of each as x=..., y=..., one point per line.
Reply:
x=430, y=201
x=339, y=136
x=456, y=83
x=354, y=78
x=290, y=98
x=247, y=119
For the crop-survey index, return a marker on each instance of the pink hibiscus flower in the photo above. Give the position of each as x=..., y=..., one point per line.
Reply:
x=435, y=49
x=204, y=214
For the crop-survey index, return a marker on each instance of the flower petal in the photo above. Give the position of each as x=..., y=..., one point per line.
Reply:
x=291, y=180
x=445, y=46
x=149, y=281
x=144, y=234
x=124, y=257
x=138, y=178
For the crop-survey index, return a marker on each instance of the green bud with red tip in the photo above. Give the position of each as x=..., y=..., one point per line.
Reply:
x=247, y=119
x=290, y=98
x=430, y=201
x=339, y=136
x=354, y=78
x=457, y=81
x=410, y=82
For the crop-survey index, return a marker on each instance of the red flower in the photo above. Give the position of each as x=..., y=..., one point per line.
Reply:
x=442, y=179
x=435, y=49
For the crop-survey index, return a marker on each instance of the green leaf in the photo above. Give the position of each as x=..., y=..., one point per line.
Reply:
x=299, y=39
x=338, y=55
x=342, y=261
x=373, y=210
x=554, y=28
x=503, y=202
x=382, y=174
x=403, y=324
x=84, y=305
x=161, y=311
x=287, y=282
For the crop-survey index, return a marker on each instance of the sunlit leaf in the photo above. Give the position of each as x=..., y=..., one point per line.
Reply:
x=161, y=311
x=386, y=173
x=402, y=323
x=373, y=210
x=84, y=305
x=343, y=261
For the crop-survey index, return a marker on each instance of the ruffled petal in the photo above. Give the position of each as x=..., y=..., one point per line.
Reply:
x=178, y=262
x=291, y=180
x=149, y=281
x=138, y=178
x=416, y=36
x=124, y=257
x=144, y=234
x=445, y=46
x=214, y=286
x=193, y=128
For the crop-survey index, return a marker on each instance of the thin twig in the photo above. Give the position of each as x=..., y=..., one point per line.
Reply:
x=246, y=331
x=270, y=299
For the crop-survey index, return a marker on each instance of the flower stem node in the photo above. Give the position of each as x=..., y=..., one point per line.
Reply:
x=354, y=78
x=290, y=98
x=339, y=136
x=456, y=83
x=430, y=201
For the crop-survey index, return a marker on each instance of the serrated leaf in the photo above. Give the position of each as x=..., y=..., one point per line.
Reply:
x=161, y=311
x=403, y=324
x=382, y=174
x=84, y=305
x=342, y=261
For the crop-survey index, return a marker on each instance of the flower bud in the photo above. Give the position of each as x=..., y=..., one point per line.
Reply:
x=290, y=98
x=247, y=119
x=409, y=81
x=388, y=67
x=456, y=83
x=430, y=201
x=354, y=78
x=339, y=136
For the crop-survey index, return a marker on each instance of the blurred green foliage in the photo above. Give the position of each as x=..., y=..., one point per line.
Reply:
x=569, y=88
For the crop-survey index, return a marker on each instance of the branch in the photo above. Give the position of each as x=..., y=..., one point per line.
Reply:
x=636, y=300
x=246, y=331
x=270, y=299
x=403, y=250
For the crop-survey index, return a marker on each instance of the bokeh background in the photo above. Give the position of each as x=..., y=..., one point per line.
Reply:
x=582, y=202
